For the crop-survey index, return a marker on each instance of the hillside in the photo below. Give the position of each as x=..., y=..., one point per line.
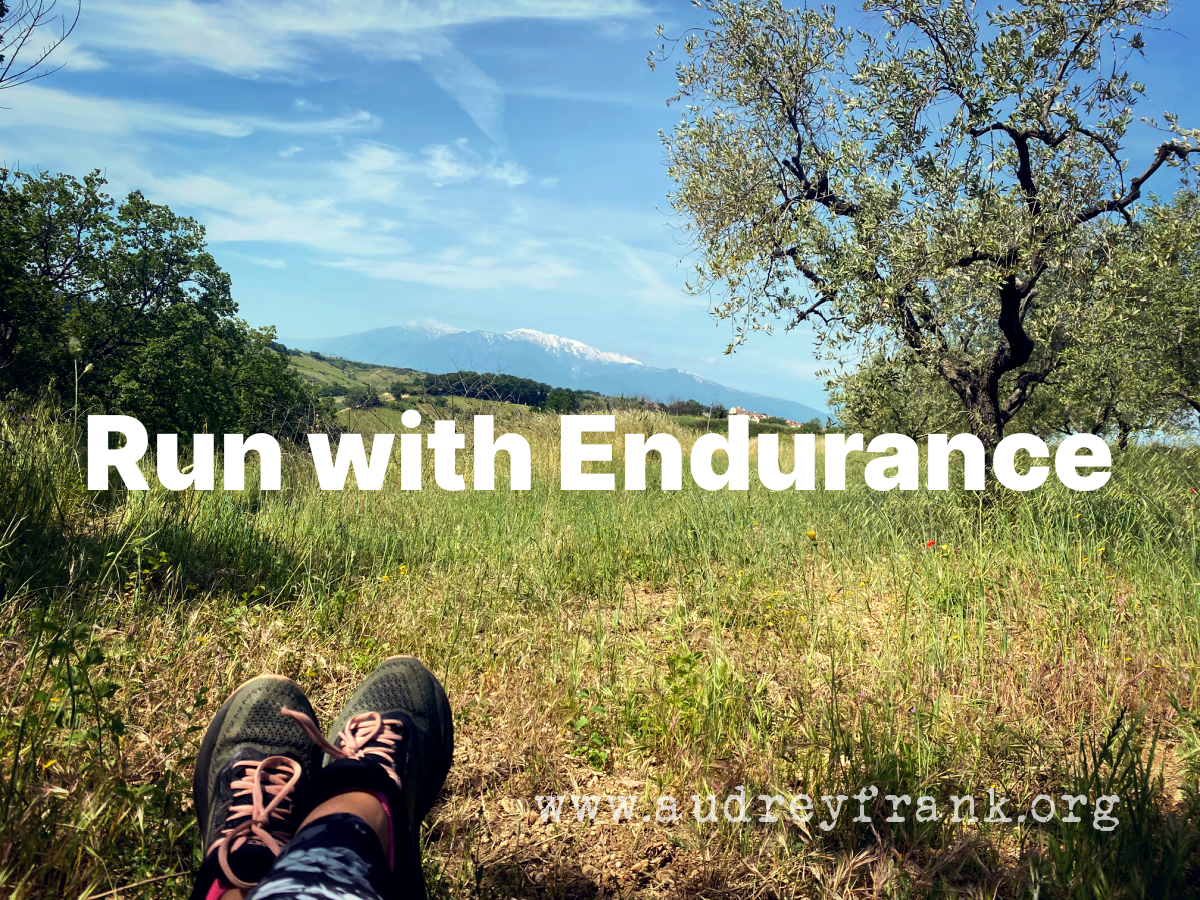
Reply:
x=545, y=357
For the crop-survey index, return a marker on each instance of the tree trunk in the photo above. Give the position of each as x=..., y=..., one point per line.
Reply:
x=979, y=391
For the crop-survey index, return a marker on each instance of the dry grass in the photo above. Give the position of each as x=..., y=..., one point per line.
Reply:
x=614, y=644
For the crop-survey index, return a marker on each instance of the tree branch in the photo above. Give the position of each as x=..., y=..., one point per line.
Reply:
x=1165, y=151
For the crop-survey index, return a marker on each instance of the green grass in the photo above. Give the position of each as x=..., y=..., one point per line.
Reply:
x=638, y=643
x=347, y=374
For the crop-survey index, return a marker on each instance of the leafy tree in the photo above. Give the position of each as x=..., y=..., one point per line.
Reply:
x=132, y=289
x=1159, y=280
x=562, y=402
x=1134, y=367
x=686, y=408
x=943, y=192
x=362, y=396
x=488, y=386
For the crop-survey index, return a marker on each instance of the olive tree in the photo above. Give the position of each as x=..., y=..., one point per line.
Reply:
x=941, y=188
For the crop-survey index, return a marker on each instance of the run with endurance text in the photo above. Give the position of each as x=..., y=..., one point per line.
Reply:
x=900, y=469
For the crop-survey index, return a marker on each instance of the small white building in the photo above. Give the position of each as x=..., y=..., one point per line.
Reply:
x=753, y=416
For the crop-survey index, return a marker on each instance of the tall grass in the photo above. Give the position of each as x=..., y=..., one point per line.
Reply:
x=683, y=641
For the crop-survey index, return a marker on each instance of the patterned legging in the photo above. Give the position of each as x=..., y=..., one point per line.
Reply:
x=337, y=857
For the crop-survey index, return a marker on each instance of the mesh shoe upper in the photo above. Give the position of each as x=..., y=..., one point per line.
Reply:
x=251, y=763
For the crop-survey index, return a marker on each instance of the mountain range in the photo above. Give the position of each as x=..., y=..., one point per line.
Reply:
x=557, y=361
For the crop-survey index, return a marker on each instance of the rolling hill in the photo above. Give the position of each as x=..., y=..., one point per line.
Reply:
x=544, y=357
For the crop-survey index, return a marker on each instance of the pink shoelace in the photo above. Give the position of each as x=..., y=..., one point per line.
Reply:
x=363, y=735
x=273, y=777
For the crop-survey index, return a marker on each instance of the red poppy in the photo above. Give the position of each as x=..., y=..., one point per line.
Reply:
x=930, y=543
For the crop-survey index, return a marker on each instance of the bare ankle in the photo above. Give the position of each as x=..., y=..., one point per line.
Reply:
x=356, y=803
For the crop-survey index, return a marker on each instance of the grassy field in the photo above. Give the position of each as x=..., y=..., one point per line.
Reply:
x=346, y=374
x=638, y=644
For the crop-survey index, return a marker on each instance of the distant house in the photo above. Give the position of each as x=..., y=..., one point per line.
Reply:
x=753, y=416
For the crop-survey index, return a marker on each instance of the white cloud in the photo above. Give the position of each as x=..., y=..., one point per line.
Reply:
x=38, y=106
x=521, y=267
x=478, y=95
x=447, y=167
x=508, y=172
x=291, y=151
x=380, y=216
x=247, y=211
x=433, y=325
x=256, y=37
x=372, y=171
x=456, y=163
x=263, y=261
x=73, y=59
x=644, y=269
x=279, y=38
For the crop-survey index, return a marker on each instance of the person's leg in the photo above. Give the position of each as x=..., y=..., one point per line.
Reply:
x=336, y=855
x=252, y=762
x=387, y=757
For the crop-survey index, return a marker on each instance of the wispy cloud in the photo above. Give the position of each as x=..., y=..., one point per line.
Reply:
x=378, y=217
x=568, y=95
x=522, y=267
x=478, y=95
x=74, y=59
x=38, y=106
x=247, y=210
x=643, y=269
x=455, y=163
x=263, y=261
x=281, y=38
x=433, y=325
x=257, y=37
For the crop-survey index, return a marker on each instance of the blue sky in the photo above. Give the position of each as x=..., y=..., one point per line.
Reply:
x=489, y=164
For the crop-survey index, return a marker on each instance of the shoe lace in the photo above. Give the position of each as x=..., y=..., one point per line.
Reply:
x=274, y=777
x=364, y=735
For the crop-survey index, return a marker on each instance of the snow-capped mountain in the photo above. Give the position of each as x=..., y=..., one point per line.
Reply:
x=557, y=361
x=561, y=346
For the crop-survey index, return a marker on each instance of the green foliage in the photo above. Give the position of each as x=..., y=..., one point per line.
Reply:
x=487, y=386
x=1145, y=291
x=686, y=408
x=943, y=191
x=1156, y=280
x=132, y=291
x=1085, y=862
x=505, y=388
x=362, y=396
x=561, y=402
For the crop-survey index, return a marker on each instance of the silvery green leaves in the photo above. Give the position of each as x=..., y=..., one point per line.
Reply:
x=944, y=180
